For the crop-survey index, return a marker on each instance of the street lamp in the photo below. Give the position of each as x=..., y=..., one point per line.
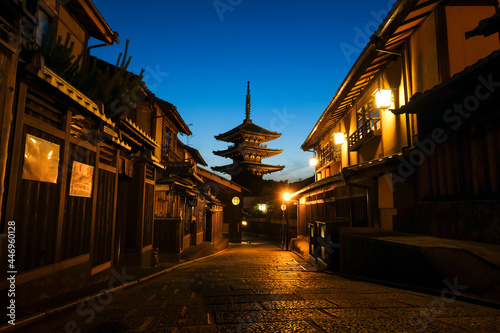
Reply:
x=286, y=196
x=262, y=207
x=313, y=161
x=383, y=98
x=339, y=138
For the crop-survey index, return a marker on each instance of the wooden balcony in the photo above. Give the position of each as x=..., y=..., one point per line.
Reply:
x=168, y=154
x=364, y=134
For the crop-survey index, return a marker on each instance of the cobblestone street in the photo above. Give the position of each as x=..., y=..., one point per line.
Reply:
x=260, y=288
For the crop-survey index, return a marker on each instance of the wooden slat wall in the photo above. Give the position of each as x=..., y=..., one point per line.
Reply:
x=104, y=221
x=36, y=220
x=53, y=225
x=359, y=212
x=148, y=214
x=164, y=204
x=464, y=166
x=78, y=210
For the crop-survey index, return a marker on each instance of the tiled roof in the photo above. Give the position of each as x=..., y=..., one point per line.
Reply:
x=247, y=127
x=458, y=79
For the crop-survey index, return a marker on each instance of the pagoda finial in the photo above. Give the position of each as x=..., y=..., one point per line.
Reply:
x=247, y=108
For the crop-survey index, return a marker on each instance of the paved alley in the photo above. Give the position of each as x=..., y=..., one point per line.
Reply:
x=260, y=288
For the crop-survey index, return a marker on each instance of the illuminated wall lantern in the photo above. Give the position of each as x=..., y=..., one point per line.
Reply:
x=313, y=161
x=339, y=138
x=263, y=208
x=244, y=223
x=236, y=201
x=383, y=98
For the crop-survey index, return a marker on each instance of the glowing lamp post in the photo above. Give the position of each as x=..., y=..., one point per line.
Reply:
x=383, y=98
x=286, y=196
x=339, y=138
x=313, y=161
x=262, y=208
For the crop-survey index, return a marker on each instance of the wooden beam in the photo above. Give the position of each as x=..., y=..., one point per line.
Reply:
x=97, y=19
x=64, y=183
x=16, y=160
x=94, y=203
x=115, y=202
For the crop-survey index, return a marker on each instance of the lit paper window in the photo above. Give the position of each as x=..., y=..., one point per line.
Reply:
x=41, y=160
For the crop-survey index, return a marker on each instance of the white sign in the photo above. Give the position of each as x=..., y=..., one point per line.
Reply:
x=82, y=178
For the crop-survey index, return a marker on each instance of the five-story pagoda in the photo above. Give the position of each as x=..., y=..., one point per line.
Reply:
x=248, y=151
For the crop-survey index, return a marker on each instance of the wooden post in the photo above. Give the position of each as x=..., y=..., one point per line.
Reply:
x=64, y=182
x=16, y=161
x=94, y=202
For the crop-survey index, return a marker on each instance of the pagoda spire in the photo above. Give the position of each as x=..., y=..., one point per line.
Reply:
x=247, y=107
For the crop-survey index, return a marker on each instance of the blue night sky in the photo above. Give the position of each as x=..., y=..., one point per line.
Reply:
x=199, y=54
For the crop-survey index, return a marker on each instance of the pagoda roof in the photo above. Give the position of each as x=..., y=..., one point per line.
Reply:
x=247, y=127
x=239, y=150
x=248, y=165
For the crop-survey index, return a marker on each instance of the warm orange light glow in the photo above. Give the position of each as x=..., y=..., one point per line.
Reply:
x=313, y=161
x=236, y=201
x=244, y=223
x=263, y=207
x=339, y=138
x=286, y=196
x=383, y=98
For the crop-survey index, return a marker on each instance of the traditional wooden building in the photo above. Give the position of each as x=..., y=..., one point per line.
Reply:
x=62, y=167
x=387, y=157
x=247, y=152
x=229, y=197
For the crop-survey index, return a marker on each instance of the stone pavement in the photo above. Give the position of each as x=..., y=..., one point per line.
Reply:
x=258, y=287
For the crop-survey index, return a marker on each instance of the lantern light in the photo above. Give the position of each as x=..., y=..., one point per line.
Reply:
x=383, y=98
x=313, y=161
x=339, y=138
x=263, y=207
x=236, y=201
x=286, y=196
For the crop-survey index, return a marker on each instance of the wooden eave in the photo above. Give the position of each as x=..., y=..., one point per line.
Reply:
x=87, y=14
x=49, y=76
x=136, y=135
x=401, y=22
x=250, y=129
x=170, y=111
x=221, y=180
x=265, y=168
x=193, y=152
x=233, y=151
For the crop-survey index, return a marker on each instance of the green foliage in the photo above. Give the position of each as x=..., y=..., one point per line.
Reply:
x=114, y=86
x=60, y=58
x=118, y=89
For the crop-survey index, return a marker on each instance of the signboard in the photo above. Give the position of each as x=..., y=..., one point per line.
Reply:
x=41, y=160
x=82, y=177
x=283, y=207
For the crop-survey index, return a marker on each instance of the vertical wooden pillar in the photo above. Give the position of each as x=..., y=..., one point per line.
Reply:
x=6, y=123
x=94, y=199
x=16, y=163
x=64, y=181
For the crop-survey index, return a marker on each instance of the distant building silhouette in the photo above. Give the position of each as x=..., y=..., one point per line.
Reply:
x=248, y=151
